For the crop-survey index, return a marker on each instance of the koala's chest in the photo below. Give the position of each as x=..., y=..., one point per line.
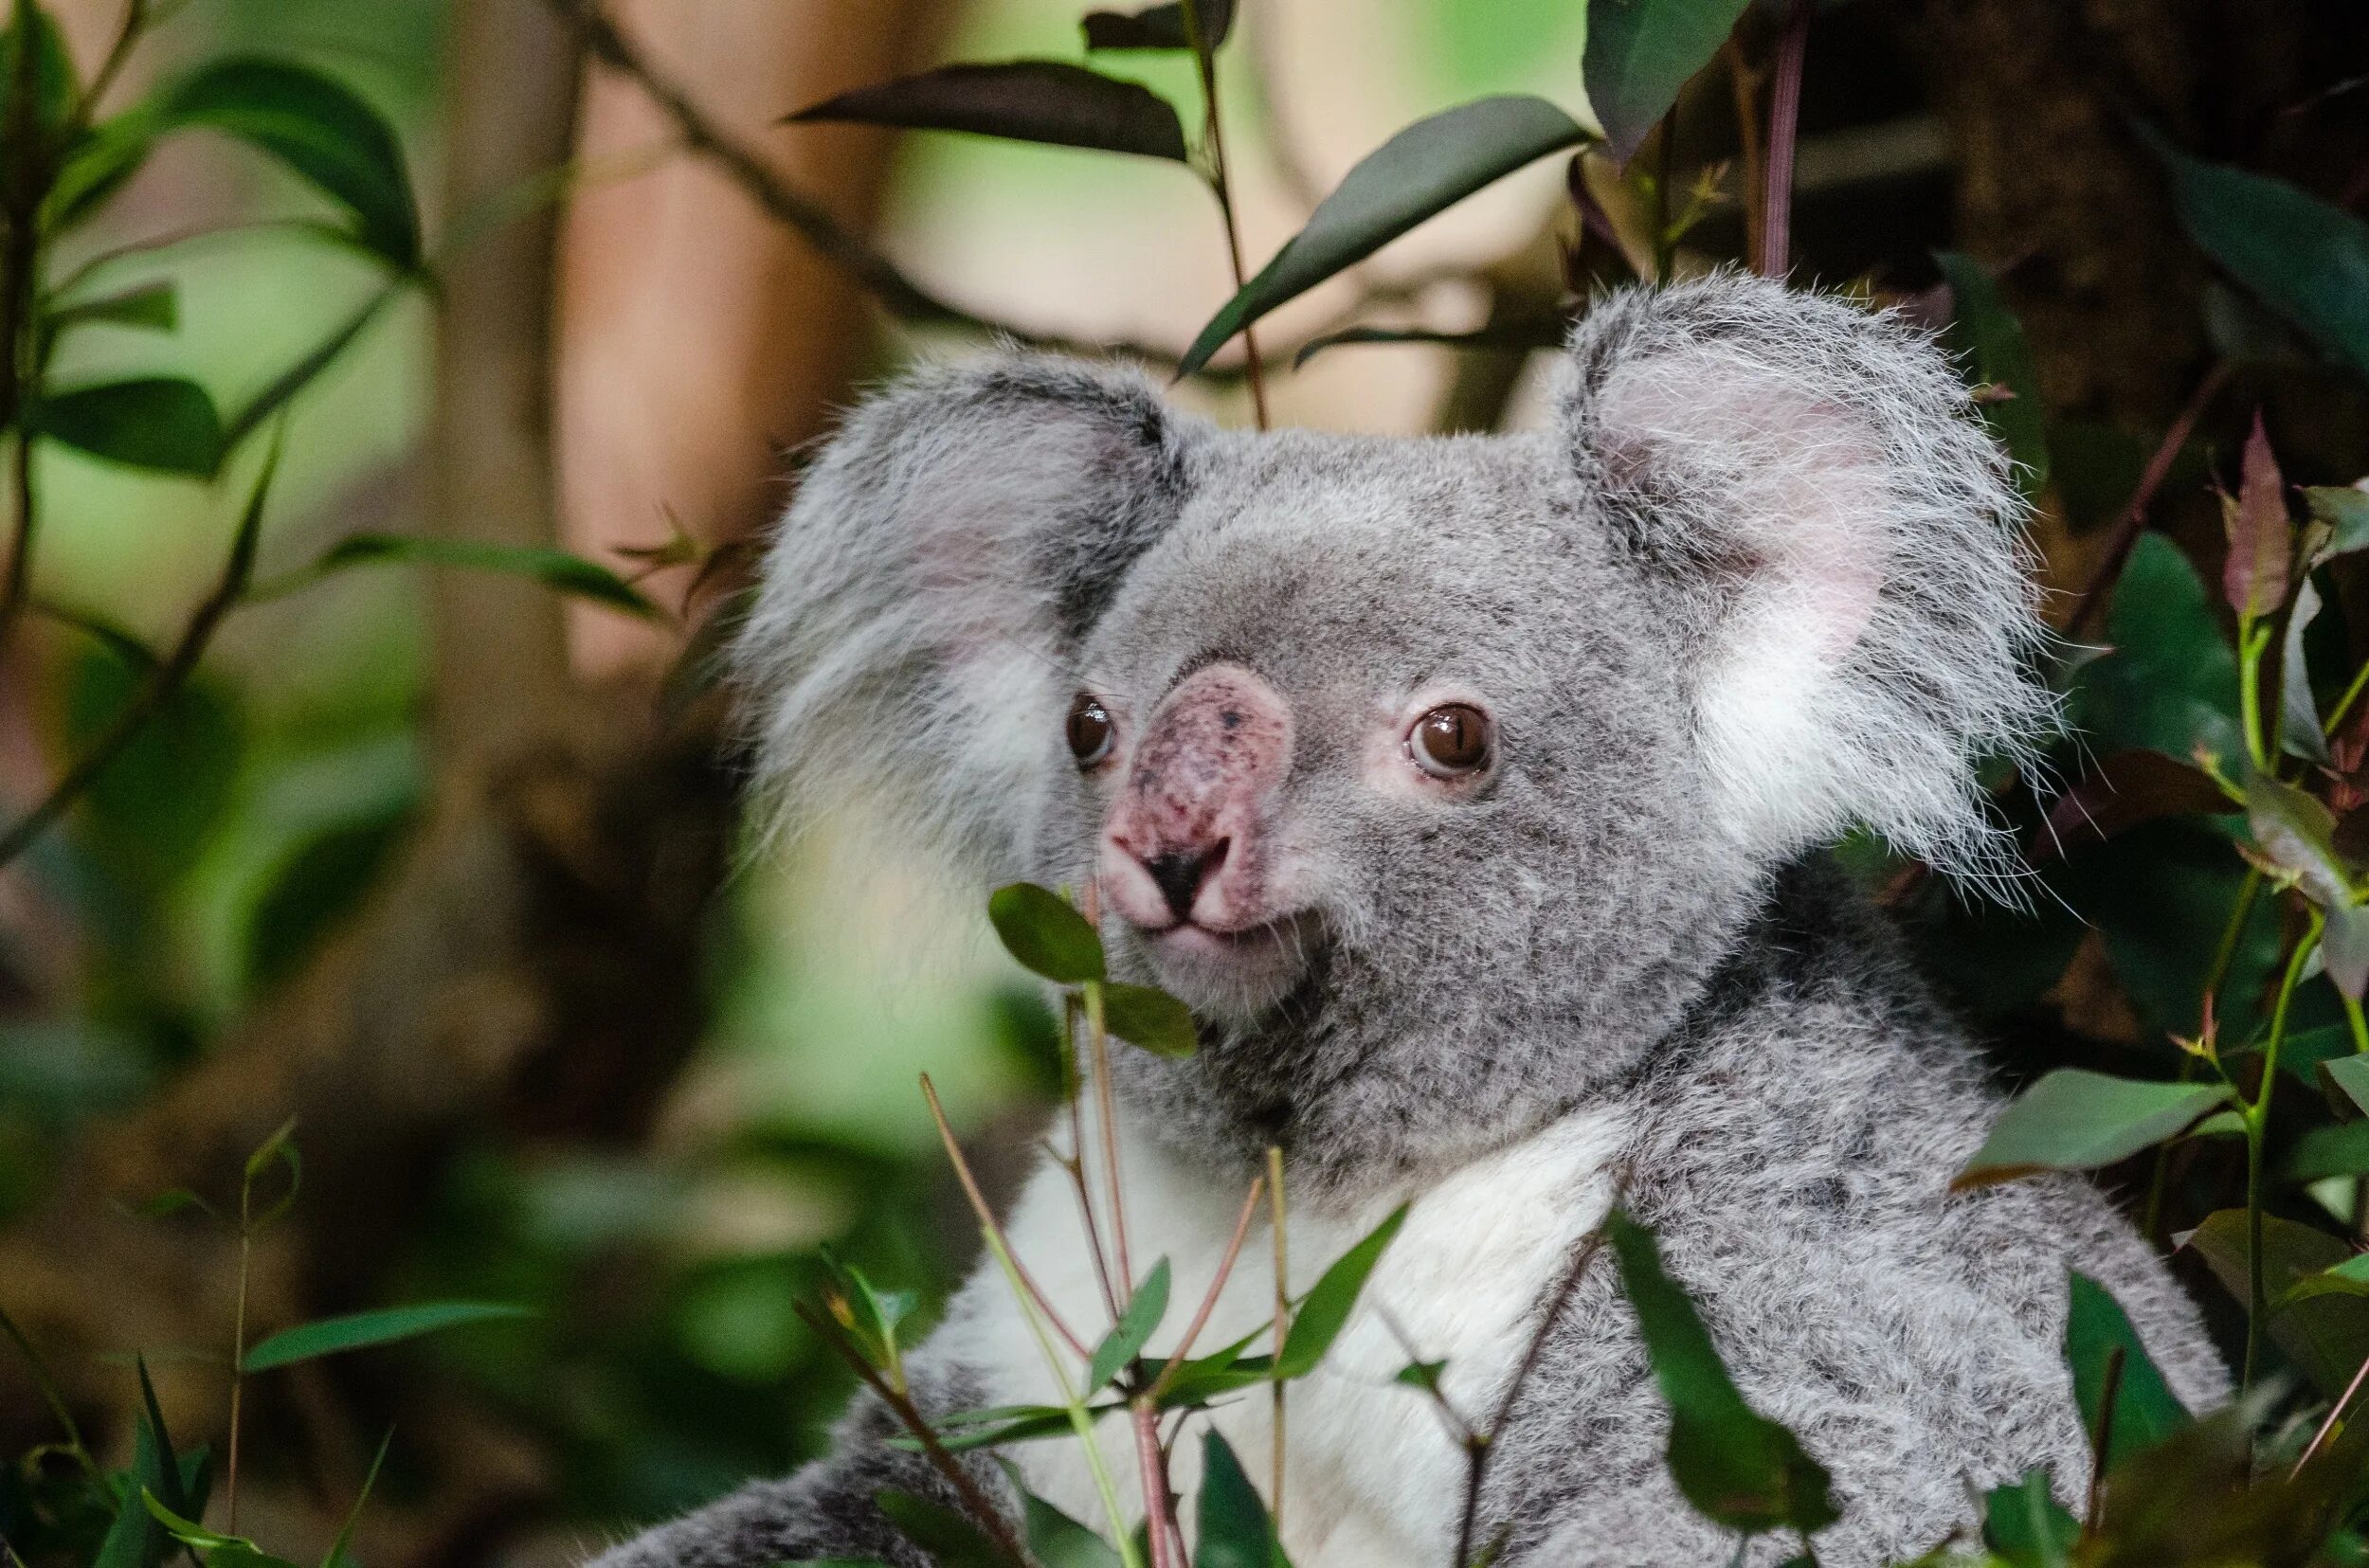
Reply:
x=1373, y=1476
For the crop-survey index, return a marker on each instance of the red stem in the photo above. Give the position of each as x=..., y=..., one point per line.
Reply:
x=1785, y=122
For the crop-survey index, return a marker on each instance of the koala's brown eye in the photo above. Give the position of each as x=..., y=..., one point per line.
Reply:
x=1450, y=741
x=1090, y=730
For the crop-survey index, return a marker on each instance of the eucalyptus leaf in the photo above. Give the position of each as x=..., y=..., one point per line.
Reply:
x=952, y=1541
x=2325, y=1336
x=2168, y=681
x=1234, y=1529
x=1639, y=53
x=2348, y=1278
x=555, y=570
x=1138, y=1323
x=2073, y=1118
x=2146, y=1412
x=1146, y=1017
x=1040, y=100
x=1160, y=26
x=361, y=1331
x=2346, y=509
x=2351, y=1075
x=1736, y=1467
x=1055, y=1539
x=1511, y=338
x=2026, y=1527
x=1044, y=934
x=1325, y=1310
x=2306, y=259
x=2261, y=539
x=1987, y=332
x=159, y=422
x=1426, y=169
x=2298, y=712
x=149, y=307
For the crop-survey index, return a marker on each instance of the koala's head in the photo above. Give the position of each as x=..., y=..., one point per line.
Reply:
x=1438, y=775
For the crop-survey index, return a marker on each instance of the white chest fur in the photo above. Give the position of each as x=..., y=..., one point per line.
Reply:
x=1372, y=1477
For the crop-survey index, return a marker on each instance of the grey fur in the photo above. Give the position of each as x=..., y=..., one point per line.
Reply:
x=1609, y=920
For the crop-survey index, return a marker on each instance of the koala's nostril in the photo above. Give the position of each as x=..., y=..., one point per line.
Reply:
x=1180, y=873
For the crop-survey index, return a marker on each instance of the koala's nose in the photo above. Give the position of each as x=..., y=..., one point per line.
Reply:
x=1180, y=873
x=1185, y=839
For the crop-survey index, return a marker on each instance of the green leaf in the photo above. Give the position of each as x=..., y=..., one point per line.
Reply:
x=2170, y=681
x=55, y=88
x=1055, y=1539
x=1736, y=1467
x=134, y=1536
x=338, y=1556
x=1234, y=1529
x=1146, y=1017
x=1513, y=337
x=2162, y=895
x=2297, y=832
x=359, y=1330
x=1428, y=167
x=1040, y=100
x=318, y=129
x=319, y=883
x=1160, y=26
x=159, y=422
x=277, y=393
x=2146, y=1410
x=2298, y=712
x=555, y=570
x=1025, y=1423
x=1641, y=52
x=150, y=307
x=279, y=1149
x=1047, y=937
x=2346, y=509
x=2026, y=1527
x=1325, y=1310
x=2306, y=259
x=1987, y=332
x=1137, y=1324
x=2073, y=1118
x=2325, y=1336
x=2348, y=1278
x=2351, y=1075
x=952, y=1541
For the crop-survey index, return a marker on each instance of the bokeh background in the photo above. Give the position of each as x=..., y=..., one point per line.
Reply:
x=457, y=874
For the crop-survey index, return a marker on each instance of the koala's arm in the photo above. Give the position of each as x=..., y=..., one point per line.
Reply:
x=827, y=1510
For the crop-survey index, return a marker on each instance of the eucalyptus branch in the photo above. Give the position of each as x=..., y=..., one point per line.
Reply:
x=135, y=18
x=48, y=1385
x=1209, y=1300
x=2257, y=1115
x=171, y=674
x=23, y=185
x=2134, y=519
x=987, y=1222
x=1282, y=1332
x=1213, y=131
x=1784, y=126
x=2336, y=1410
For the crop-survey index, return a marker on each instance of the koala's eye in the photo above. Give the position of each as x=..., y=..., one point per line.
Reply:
x=1450, y=741
x=1090, y=730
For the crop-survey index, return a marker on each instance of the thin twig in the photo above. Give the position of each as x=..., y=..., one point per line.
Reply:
x=1223, y=187
x=1784, y=125
x=2102, y=1439
x=898, y=294
x=1153, y=1475
x=1476, y=1467
x=1099, y=1039
x=2134, y=519
x=2329, y=1425
x=1209, y=1301
x=48, y=1385
x=119, y=52
x=989, y=1222
x=990, y=1518
x=1282, y=1329
x=24, y=184
x=1075, y=1162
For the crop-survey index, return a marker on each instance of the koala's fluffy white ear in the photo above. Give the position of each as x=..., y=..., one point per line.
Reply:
x=915, y=613
x=1812, y=482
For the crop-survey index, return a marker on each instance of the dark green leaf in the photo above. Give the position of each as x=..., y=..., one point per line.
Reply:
x=1160, y=26
x=1422, y=1375
x=1641, y=52
x=2169, y=681
x=1035, y=1422
x=277, y=393
x=1055, y=1539
x=337, y=1557
x=1987, y=332
x=2325, y=1336
x=2026, y=1527
x=2350, y=1075
x=1234, y=1529
x=952, y=1541
x=55, y=88
x=2348, y=1278
x=159, y=422
x=555, y=570
x=2073, y=1118
x=163, y=797
x=1041, y=100
x=1736, y=1467
x=2306, y=259
x=2162, y=895
x=319, y=884
x=1325, y=1310
x=1137, y=1324
x=1047, y=937
x=2146, y=1410
x=2342, y=1150
x=151, y=307
x=1513, y=337
x=1428, y=167
x=2298, y=832
x=1149, y=1018
x=316, y=127
x=2346, y=509
x=358, y=1330
x=2299, y=712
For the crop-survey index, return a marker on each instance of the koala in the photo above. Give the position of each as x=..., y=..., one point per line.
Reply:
x=1475, y=793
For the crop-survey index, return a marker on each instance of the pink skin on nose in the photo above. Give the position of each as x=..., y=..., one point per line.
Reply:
x=1198, y=786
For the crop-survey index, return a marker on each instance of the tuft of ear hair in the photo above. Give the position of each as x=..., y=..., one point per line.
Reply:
x=918, y=608
x=1812, y=480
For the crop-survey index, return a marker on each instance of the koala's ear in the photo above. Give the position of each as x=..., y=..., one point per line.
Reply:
x=914, y=620
x=1810, y=482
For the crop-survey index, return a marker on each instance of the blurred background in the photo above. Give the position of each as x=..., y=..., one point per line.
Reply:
x=455, y=871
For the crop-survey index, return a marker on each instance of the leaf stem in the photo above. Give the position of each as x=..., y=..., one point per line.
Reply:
x=1221, y=186
x=1209, y=1299
x=1282, y=1331
x=987, y=1222
x=48, y=1385
x=2254, y=636
x=1784, y=125
x=2344, y=703
x=2258, y=1115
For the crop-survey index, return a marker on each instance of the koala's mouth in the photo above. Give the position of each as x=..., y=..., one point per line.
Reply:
x=1235, y=973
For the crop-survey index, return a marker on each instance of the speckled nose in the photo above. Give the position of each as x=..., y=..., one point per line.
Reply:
x=1184, y=840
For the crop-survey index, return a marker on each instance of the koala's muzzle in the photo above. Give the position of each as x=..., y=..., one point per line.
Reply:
x=1185, y=842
